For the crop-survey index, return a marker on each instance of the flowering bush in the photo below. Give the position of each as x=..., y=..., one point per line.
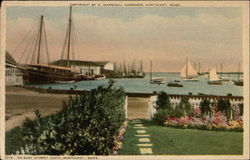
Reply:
x=213, y=115
x=119, y=138
x=217, y=122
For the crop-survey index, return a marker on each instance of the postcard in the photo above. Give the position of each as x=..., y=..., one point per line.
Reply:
x=124, y=80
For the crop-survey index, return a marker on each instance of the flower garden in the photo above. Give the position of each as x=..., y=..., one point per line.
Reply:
x=218, y=115
x=88, y=125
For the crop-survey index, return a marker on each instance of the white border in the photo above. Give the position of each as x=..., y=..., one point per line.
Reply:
x=245, y=56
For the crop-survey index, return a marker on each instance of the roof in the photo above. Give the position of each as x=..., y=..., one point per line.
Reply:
x=63, y=62
x=101, y=63
x=9, y=59
x=51, y=66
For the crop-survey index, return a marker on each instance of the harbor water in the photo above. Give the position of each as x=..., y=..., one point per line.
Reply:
x=142, y=85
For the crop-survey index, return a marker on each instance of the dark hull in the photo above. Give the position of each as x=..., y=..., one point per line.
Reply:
x=214, y=83
x=34, y=76
x=174, y=85
x=238, y=83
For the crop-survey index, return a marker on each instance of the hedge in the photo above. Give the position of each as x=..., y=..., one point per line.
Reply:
x=87, y=125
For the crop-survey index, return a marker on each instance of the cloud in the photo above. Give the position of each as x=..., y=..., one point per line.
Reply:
x=167, y=41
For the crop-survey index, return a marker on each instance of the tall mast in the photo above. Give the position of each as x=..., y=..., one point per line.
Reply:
x=239, y=70
x=150, y=70
x=186, y=67
x=40, y=38
x=124, y=67
x=199, y=67
x=221, y=69
x=70, y=12
x=141, y=69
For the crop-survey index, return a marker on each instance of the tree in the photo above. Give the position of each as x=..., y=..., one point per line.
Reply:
x=163, y=101
x=163, y=108
x=184, y=108
x=225, y=107
x=205, y=107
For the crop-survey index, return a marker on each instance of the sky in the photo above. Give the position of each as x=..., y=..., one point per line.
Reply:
x=210, y=36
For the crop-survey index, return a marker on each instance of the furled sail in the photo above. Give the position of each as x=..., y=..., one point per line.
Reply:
x=188, y=71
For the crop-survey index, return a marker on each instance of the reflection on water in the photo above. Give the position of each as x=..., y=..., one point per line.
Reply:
x=142, y=85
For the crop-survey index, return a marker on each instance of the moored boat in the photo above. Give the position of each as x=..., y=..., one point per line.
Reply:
x=65, y=82
x=213, y=78
x=39, y=72
x=172, y=84
x=239, y=81
x=155, y=80
x=188, y=73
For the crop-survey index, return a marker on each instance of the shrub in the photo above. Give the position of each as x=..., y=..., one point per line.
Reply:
x=85, y=126
x=163, y=101
x=225, y=107
x=184, y=108
x=163, y=108
x=205, y=107
x=179, y=111
x=241, y=109
x=161, y=115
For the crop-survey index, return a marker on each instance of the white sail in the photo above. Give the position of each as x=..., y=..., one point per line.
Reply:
x=213, y=75
x=188, y=71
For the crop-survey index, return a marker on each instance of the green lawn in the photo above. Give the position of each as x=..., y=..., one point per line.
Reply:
x=166, y=141
x=172, y=141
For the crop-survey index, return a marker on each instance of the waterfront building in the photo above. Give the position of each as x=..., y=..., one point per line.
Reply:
x=88, y=67
x=106, y=67
x=13, y=75
x=82, y=67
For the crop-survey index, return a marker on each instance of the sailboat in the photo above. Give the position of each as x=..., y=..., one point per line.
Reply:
x=199, y=70
x=188, y=73
x=223, y=78
x=39, y=72
x=238, y=82
x=155, y=80
x=213, y=77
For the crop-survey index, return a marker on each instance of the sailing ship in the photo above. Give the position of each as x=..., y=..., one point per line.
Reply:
x=239, y=82
x=128, y=71
x=213, y=77
x=39, y=72
x=188, y=73
x=223, y=78
x=155, y=80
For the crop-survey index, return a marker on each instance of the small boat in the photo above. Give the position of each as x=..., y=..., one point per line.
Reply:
x=101, y=76
x=201, y=94
x=238, y=82
x=176, y=80
x=188, y=73
x=171, y=84
x=213, y=78
x=226, y=79
x=199, y=70
x=223, y=78
x=65, y=82
x=156, y=80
